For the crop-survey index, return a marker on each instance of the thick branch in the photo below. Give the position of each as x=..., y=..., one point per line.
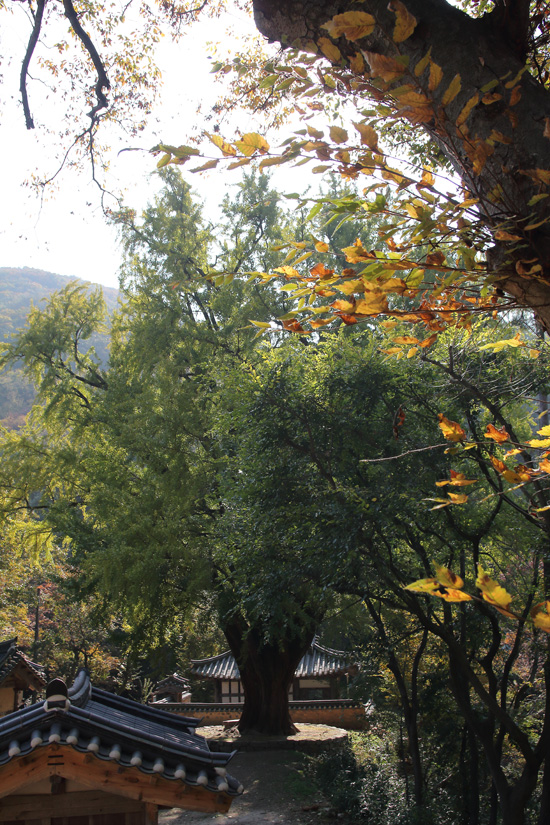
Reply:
x=33, y=40
x=102, y=79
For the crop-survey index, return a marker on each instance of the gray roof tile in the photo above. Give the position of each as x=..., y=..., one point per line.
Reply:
x=318, y=662
x=117, y=729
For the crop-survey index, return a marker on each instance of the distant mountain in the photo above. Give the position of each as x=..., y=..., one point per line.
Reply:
x=19, y=288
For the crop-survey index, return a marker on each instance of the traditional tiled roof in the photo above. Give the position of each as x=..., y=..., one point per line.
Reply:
x=173, y=681
x=116, y=729
x=12, y=657
x=318, y=662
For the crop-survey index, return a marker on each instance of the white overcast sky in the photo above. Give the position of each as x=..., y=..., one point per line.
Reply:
x=64, y=234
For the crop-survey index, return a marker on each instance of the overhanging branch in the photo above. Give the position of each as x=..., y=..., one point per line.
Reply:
x=33, y=40
x=102, y=79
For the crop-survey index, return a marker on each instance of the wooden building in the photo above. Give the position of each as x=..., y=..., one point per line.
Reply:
x=172, y=689
x=88, y=757
x=319, y=676
x=19, y=677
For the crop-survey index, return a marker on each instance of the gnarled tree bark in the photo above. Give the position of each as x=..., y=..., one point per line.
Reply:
x=512, y=130
x=267, y=670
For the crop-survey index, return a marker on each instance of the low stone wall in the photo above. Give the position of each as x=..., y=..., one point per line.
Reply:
x=339, y=713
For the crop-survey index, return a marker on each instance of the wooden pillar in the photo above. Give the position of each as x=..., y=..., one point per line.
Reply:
x=151, y=814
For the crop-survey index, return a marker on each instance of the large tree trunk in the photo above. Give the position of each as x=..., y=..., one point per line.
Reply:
x=503, y=145
x=267, y=671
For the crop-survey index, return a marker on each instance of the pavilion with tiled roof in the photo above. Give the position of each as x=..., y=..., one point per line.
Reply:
x=174, y=688
x=105, y=760
x=316, y=677
x=18, y=676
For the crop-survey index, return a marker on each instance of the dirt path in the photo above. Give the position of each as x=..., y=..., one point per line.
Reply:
x=279, y=790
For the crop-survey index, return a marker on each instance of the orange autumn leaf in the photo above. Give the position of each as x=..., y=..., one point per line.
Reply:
x=498, y=434
x=347, y=319
x=518, y=475
x=499, y=465
x=450, y=429
x=384, y=67
x=427, y=342
x=293, y=325
x=321, y=271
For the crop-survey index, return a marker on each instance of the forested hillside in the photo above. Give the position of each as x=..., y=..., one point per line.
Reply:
x=20, y=288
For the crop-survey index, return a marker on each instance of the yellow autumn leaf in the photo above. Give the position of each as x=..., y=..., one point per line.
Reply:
x=352, y=24
x=405, y=339
x=423, y=62
x=368, y=135
x=467, y=108
x=330, y=51
x=210, y=164
x=373, y=303
x=272, y=162
x=357, y=63
x=405, y=23
x=503, y=235
x=321, y=246
x=450, y=429
x=227, y=148
x=458, y=498
x=427, y=178
x=288, y=271
x=446, y=577
x=539, y=443
x=492, y=591
x=542, y=175
x=251, y=143
x=456, y=480
x=338, y=135
x=436, y=76
x=498, y=346
x=451, y=595
x=356, y=253
x=423, y=586
x=343, y=306
x=351, y=287
x=452, y=90
x=164, y=161
x=540, y=615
